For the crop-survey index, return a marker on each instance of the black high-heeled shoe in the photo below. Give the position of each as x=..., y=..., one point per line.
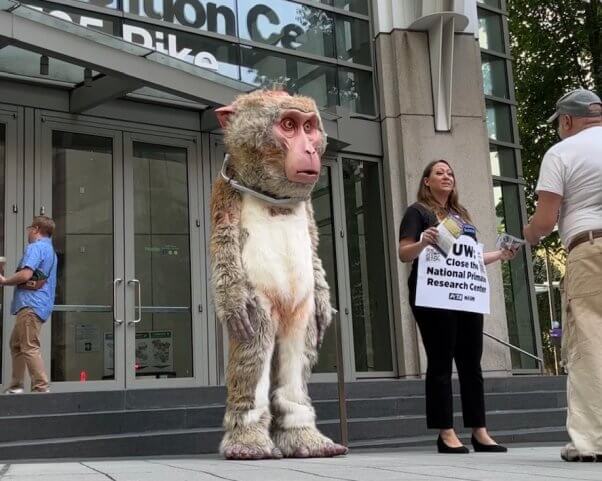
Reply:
x=487, y=448
x=444, y=448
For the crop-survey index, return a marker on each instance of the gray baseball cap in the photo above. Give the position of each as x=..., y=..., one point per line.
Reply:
x=576, y=103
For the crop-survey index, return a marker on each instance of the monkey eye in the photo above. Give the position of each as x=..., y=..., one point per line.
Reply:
x=307, y=127
x=288, y=124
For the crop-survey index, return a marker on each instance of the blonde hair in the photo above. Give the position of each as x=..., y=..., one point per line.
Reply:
x=425, y=196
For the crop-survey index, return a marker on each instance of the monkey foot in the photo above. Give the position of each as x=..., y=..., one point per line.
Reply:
x=307, y=443
x=242, y=451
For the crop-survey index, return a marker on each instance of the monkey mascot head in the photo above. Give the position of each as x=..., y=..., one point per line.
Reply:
x=275, y=142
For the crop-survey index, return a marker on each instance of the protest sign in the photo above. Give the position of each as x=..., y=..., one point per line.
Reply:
x=457, y=282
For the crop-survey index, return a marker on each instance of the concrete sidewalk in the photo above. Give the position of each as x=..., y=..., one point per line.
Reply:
x=521, y=463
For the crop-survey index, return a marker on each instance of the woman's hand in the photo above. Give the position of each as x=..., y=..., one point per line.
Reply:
x=507, y=254
x=429, y=237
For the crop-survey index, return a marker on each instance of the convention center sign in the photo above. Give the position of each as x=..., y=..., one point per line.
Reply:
x=278, y=23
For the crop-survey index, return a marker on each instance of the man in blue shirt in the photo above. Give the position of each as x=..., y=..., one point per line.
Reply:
x=33, y=301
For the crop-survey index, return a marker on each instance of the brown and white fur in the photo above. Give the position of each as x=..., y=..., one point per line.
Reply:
x=269, y=286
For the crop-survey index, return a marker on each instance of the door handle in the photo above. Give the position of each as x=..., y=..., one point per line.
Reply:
x=139, y=318
x=116, y=282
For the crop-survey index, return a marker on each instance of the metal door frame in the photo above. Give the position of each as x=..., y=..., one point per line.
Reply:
x=200, y=374
x=12, y=118
x=42, y=183
x=46, y=121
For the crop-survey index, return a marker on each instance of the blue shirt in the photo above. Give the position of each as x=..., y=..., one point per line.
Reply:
x=38, y=255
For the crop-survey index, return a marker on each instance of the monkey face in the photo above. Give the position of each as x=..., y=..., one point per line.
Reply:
x=275, y=142
x=301, y=137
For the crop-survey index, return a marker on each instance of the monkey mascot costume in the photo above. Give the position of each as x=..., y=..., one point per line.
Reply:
x=270, y=289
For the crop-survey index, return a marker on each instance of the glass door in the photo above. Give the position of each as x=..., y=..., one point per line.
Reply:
x=129, y=299
x=79, y=182
x=10, y=154
x=162, y=261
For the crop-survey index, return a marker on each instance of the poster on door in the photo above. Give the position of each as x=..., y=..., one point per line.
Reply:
x=457, y=282
x=154, y=351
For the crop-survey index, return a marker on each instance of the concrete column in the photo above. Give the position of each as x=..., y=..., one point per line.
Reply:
x=410, y=142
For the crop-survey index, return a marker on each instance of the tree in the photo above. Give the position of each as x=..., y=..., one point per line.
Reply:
x=556, y=46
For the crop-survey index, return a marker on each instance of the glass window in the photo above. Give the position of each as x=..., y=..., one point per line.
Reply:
x=162, y=260
x=289, y=25
x=367, y=265
x=491, y=35
x=218, y=16
x=321, y=198
x=353, y=40
x=86, y=19
x=356, y=6
x=82, y=207
x=102, y=3
x=2, y=246
x=502, y=161
x=221, y=57
x=499, y=121
x=264, y=68
x=495, y=76
x=516, y=282
x=493, y=3
x=355, y=91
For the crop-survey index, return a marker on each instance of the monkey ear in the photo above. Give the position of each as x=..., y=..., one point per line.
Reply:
x=223, y=114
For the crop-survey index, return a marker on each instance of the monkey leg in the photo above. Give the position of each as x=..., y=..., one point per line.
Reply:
x=247, y=417
x=294, y=427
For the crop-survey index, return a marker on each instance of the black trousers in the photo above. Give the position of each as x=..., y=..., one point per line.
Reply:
x=447, y=336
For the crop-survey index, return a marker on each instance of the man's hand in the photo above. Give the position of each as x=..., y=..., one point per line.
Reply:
x=507, y=254
x=2, y=280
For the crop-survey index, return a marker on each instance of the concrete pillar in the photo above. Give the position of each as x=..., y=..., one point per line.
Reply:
x=410, y=142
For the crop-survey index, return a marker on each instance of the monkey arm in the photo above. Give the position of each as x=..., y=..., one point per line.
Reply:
x=321, y=288
x=231, y=295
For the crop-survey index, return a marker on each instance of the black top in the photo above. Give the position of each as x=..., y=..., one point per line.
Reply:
x=416, y=220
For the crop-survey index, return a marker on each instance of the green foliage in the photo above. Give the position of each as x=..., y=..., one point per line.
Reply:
x=556, y=46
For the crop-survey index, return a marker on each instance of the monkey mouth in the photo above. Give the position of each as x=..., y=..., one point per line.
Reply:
x=306, y=176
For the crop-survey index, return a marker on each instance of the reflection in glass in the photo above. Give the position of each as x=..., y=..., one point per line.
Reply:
x=162, y=250
x=2, y=244
x=357, y=6
x=102, y=3
x=217, y=16
x=516, y=283
x=493, y=3
x=502, y=161
x=82, y=207
x=367, y=265
x=215, y=55
x=288, y=25
x=305, y=77
x=353, y=40
x=355, y=91
x=323, y=213
x=495, y=78
x=491, y=35
x=499, y=121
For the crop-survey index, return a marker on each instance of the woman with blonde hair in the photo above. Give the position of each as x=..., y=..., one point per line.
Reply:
x=447, y=335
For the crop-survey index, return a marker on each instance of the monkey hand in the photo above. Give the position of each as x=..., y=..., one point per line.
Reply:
x=240, y=322
x=323, y=314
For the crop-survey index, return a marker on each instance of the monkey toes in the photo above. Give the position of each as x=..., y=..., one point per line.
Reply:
x=327, y=450
x=244, y=452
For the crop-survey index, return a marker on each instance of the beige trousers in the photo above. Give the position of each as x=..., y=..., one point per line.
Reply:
x=25, y=351
x=582, y=345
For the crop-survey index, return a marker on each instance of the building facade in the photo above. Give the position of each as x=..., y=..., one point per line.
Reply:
x=106, y=124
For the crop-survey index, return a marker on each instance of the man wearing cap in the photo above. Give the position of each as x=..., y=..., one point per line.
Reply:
x=570, y=192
